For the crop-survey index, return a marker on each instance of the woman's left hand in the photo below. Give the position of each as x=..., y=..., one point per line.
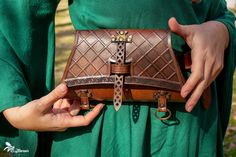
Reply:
x=208, y=42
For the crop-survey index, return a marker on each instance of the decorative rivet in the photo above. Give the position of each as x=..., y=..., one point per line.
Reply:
x=130, y=38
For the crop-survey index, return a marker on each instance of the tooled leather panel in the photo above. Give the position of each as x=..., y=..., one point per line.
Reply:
x=150, y=51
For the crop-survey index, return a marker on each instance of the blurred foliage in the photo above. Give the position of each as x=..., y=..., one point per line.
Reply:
x=230, y=138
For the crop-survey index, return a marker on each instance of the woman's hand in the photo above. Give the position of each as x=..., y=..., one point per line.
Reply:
x=39, y=115
x=208, y=42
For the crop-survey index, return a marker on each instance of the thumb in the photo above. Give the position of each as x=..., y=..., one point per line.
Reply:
x=181, y=30
x=58, y=93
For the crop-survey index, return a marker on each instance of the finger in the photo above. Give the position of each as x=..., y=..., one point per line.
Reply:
x=74, y=108
x=87, y=119
x=192, y=101
x=181, y=30
x=65, y=104
x=211, y=72
x=61, y=129
x=197, y=73
x=57, y=104
x=218, y=66
x=197, y=93
x=62, y=105
x=48, y=100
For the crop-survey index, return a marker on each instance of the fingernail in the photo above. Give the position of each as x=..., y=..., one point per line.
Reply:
x=184, y=93
x=62, y=87
x=189, y=107
x=74, y=112
x=101, y=105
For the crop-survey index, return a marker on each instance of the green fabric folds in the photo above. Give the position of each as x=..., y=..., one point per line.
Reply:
x=26, y=63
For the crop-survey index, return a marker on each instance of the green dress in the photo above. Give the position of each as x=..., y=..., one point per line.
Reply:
x=26, y=65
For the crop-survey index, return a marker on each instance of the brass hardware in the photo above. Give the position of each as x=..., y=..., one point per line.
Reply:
x=84, y=93
x=121, y=37
x=163, y=118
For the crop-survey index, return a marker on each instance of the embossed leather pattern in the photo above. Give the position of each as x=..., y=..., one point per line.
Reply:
x=150, y=63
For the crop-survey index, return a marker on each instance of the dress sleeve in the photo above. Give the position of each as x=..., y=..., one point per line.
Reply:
x=14, y=90
x=26, y=50
x=224, y=81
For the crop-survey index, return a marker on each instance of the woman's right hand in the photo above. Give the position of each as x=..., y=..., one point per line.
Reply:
x=40, y=115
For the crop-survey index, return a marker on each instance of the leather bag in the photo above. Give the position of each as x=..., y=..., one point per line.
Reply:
x=123, y=65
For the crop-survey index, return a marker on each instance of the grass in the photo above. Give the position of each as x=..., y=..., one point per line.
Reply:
x=64, y=42
x=64, y=39
x=234, y=90
x=230, y=138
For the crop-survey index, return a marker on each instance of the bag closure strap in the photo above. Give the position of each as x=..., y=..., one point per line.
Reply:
x=120, y=68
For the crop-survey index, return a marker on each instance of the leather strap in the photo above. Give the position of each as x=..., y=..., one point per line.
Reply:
x=184, y=61
x=119, y=68
x=122, y=69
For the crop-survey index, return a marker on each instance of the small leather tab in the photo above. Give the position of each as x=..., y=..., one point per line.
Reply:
x=206, y=98
x=187, y=60
x=84, y=103
x=184, y=60
x=161, y=97
x=162, y=104
x=122, y=69
x=84, y=99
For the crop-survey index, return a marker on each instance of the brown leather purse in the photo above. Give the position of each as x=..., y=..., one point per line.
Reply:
x=123, y=65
